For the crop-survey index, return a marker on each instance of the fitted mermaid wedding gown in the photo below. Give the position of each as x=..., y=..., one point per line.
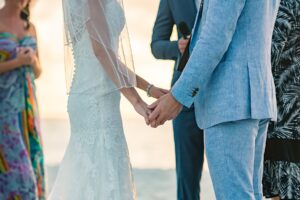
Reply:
x=96, y=164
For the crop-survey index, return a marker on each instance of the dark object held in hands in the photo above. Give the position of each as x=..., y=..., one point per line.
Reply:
x=185, y=31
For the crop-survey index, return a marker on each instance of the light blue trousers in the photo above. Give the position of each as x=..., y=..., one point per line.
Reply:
x=235, y=153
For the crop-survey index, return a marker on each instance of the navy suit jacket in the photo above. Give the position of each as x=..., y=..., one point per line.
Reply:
x=170, y=13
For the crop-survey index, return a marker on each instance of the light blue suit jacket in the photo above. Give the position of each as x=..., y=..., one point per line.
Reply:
x=228, y=76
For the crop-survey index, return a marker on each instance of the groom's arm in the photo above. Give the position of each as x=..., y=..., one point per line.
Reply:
x=214, y=40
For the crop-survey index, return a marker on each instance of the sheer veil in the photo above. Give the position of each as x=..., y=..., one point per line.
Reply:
x=111, y=47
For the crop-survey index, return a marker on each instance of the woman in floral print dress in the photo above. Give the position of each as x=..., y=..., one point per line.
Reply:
x=21, y=155
x=282, y=157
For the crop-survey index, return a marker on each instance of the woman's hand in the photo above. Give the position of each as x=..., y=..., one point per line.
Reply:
x=142, y=108
x=26, y=56
x=156, y=92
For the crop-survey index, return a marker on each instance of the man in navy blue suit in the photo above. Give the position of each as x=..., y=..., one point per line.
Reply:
x=189, y=147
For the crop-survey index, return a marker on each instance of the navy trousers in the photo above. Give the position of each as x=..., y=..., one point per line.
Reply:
x=189, y=150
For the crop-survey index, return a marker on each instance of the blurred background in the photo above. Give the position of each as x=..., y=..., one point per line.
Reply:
x=151, y=150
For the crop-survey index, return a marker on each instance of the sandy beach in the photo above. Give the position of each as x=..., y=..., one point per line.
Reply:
x=153, y=184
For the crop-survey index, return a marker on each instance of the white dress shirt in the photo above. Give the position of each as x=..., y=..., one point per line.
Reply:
x=198, y=2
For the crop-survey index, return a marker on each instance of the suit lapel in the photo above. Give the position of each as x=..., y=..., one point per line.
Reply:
x=197, y=22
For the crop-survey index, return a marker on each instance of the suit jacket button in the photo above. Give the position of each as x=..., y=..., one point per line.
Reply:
x=195, y=92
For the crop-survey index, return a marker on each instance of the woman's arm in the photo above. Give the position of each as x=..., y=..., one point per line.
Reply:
x=100, y=37
x=22, y=58
x=36, y=65
x=137, y=102
x=9, y=65
x=141, y=83
x=150, y=89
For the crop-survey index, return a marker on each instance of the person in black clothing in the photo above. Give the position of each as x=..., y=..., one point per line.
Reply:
x=282, y=157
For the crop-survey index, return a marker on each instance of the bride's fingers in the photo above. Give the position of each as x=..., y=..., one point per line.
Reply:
x=147, y=120
x=154, y=115
x=148, y=112
x=153, y=124
x=165, y=91
x=153, y=106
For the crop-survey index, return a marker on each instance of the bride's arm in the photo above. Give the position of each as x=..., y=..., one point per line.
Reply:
x=137, y=102
x=144, y=85
x=150, y=89
x=102, y=44
x=100, y=36
x=98, y=30
x=130, y=93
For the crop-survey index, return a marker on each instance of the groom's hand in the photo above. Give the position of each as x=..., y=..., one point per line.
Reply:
x=165, y=108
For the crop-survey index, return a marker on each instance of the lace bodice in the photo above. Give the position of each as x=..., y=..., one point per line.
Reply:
x=88, y=72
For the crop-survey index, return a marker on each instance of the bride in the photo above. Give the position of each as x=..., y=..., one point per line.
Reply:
x=96, y=164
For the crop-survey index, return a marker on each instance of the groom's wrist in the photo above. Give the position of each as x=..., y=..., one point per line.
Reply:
x=182, y=97
x=175, y=99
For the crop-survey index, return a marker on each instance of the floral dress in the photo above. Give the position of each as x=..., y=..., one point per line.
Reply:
x=21, y=154
x=282, y=157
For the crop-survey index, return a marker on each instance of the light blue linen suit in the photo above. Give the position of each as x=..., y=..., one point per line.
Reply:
x=229, y=80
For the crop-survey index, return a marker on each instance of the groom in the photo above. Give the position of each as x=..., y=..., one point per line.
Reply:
x=229, y=80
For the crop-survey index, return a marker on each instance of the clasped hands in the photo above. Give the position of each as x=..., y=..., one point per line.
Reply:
x=26, y=56
x=165, y=108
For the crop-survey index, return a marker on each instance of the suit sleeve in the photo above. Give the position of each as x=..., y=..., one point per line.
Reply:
x=216, y=35
x=161, y=46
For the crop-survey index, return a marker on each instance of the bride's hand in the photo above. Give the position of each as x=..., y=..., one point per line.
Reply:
x=156, y=92
x=142, y=108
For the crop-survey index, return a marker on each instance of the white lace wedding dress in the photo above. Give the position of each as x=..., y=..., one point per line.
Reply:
x=96, y=164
